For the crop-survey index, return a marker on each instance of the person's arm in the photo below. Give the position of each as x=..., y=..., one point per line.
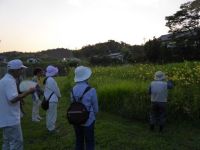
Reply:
x=22, y=95
x=95, y=101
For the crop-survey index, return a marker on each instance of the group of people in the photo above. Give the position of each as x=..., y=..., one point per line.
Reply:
x=10, y=99
x=50, y=90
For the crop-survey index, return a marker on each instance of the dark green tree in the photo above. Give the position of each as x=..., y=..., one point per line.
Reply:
x=185, y=25
x=152, y=50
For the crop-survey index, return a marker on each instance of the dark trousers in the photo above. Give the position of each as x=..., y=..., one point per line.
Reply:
x=158, y=113
x=84, y=137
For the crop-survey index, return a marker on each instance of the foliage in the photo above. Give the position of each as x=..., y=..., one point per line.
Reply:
x=123, y=90
x=185, y=24
x=152, y=50
x=98, y=53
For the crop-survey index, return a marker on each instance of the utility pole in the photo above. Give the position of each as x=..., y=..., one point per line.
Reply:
x=144, y=40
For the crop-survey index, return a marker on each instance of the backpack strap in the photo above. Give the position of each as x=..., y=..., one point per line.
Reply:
x=44, y=82
x=85, y=91
x=50, y=96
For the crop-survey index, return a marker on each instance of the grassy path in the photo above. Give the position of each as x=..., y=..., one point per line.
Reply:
x=112, y=133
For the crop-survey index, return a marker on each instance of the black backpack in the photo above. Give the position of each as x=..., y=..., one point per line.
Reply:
x=77, y=112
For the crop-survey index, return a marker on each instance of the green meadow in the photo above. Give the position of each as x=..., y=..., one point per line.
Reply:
x=122, y=123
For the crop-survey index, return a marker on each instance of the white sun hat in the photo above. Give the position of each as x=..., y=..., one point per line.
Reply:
x=82, y=73
x=159, y=75
x=15, y=64
x=51, y=71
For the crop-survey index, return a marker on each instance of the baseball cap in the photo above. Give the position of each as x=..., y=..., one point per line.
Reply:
x=15, y=64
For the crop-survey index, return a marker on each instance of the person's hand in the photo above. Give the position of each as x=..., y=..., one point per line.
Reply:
x=31, y=90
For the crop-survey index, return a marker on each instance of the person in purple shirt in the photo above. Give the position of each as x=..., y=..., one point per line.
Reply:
x=85, y=132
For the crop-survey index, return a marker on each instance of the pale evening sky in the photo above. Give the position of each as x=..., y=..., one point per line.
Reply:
x=35, y=25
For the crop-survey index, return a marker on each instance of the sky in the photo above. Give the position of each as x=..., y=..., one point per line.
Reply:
x=35, y=25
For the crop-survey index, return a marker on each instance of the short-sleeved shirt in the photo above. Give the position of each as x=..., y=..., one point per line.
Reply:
x=9, y=112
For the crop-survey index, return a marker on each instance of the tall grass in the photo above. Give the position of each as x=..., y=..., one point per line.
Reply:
x=123, y=90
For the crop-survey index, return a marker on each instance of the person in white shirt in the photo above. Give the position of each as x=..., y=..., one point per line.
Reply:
x=36, y=96
x=50, y=86
x=10, y=99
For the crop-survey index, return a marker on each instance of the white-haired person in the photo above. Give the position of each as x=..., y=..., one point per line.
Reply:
x=51, y=92
x=85, y=132
x=158, y=90
x=10, y=99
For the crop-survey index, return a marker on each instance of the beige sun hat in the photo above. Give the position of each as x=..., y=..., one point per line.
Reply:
x=82, y=73
x=159, y=75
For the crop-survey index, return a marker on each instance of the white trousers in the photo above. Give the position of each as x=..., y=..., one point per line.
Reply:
x=12, y=138
x=36, y=109
x=51, y=116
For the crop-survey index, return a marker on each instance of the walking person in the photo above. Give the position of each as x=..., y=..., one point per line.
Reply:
x=158, y=90
x=52, y=91
x=36, y=97
x=10, y=99
x=85, y=138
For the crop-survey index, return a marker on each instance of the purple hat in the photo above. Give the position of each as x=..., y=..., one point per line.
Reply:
x=51, y=71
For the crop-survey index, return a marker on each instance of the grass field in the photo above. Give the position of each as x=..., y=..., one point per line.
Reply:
x=112, y=133
x=121, y=123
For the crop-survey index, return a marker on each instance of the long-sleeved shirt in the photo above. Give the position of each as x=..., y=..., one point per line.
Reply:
x=89, y=100
x=51, y=86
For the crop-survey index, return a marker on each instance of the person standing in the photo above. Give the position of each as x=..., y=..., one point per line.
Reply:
x=36, y=97
x=52, y=91
x=85, y=132
x=10, y=99
x=158, y=90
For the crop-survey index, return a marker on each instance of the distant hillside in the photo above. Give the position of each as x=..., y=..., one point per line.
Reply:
x=53, y=54
x=130, y=53
x=101, y=49
x=100, y=53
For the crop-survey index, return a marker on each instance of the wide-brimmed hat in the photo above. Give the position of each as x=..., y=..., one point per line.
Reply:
x=159, y=75
x=82, y=73
x=51, y=71
x=15, y=64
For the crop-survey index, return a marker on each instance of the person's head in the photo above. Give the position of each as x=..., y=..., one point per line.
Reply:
x=159, y=76
x=38, y=72
x=51, y=71
x=82, y=73
x=15, y=67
